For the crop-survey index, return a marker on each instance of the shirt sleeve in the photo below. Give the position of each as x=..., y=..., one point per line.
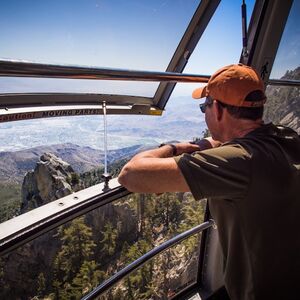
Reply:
x=222, y=172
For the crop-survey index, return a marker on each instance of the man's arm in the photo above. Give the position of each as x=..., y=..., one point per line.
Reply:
x=155, y=171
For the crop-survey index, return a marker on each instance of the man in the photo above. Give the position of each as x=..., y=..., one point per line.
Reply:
x=252, y=181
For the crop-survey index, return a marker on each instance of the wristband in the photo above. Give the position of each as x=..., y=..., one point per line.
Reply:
x=174, y=149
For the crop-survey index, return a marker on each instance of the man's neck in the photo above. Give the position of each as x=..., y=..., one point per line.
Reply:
x=241, y=128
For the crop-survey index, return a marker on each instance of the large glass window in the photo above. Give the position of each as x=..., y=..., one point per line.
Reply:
x=45, y=159
x=69, y=261
x=283, y=104
x=220, y=44
x=288, y=55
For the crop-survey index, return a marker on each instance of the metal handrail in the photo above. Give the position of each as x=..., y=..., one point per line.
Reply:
x=30, y=69
x=284, y=82
x=146, y=257
x=28, y=226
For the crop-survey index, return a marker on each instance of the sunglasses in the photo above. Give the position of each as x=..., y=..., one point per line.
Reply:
x=208, y=102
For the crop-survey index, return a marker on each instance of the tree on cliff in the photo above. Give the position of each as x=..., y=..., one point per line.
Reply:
x=137, y=284
x=72, y=262
x=110, y=235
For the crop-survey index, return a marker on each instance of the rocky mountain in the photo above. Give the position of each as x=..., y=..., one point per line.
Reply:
x=283, y=104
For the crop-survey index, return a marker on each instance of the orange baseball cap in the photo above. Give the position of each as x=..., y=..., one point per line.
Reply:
x=231, y=85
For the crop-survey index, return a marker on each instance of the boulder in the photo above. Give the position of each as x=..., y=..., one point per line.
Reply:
x=51, y=179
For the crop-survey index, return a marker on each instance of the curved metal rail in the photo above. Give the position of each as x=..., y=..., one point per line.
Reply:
x=144, y=258
x=29, y=69
x=284, y=82
x=28, y=226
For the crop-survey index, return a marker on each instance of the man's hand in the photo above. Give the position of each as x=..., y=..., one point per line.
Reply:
x=202, y=144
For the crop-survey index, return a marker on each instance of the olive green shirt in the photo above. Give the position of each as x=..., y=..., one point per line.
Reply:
x=253, y=187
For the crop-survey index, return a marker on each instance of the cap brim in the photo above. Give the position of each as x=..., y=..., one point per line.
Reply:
x=199, y=93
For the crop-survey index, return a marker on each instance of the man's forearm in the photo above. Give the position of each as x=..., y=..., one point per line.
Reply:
x=141, y=173
x=167, y=150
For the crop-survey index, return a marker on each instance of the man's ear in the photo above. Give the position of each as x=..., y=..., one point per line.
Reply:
x=218, y=110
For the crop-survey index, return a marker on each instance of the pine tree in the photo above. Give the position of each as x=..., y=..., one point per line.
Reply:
x=110, y=235
x=137, y=282
x=87, y=278
x=193, y=215
x=76, y=250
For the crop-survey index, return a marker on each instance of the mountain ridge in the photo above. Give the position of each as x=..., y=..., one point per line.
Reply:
x=14, y=165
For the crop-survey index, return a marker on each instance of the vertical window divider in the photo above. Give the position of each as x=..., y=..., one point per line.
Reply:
x=106, y=176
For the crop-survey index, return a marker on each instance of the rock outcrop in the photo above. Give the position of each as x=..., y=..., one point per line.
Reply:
x=51, y=179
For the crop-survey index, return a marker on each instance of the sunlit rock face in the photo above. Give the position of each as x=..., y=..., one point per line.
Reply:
x=282, y=106
x=51, y=179
x=291, y=120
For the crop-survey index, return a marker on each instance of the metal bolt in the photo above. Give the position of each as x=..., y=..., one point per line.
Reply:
x=214, y=225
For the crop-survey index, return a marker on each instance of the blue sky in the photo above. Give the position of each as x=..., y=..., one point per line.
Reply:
x=118, y=34
x=130, y=34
